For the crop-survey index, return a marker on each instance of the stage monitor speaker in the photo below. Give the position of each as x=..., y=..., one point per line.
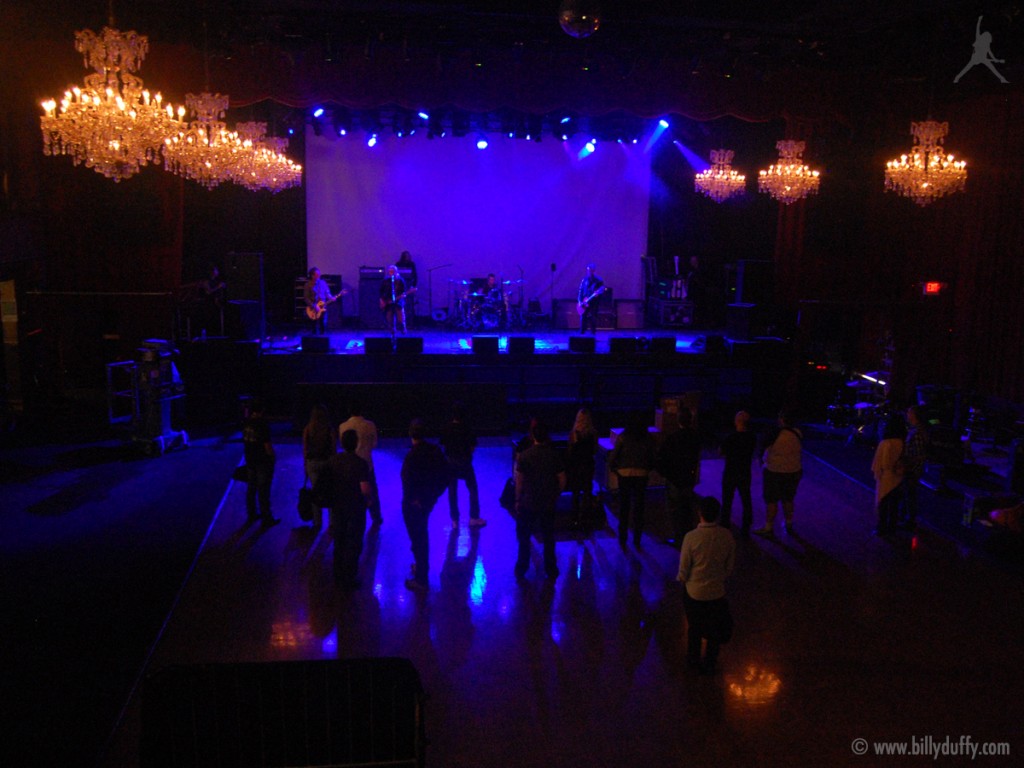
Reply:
x=243, y=320
x=663, y=346
x=316, y=344
x=409, y=345
x=377, y=345
x=622, y=346
x=629, y=314
x=712, y=345
x=755, y=282
x=582, y=344
x=521, y=346
x=485, y=345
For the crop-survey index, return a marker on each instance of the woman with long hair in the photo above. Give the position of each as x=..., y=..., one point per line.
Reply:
x=319, y=443
x=580, y=465
x=887, y=468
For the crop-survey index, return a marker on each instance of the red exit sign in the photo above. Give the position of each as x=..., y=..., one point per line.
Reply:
x=933, y=288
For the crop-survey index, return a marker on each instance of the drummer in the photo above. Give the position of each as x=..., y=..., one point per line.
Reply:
x=492, y=289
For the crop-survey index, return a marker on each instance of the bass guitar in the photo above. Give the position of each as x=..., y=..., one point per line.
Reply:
x=317, y=311
x=581, y=306
x=398, y=299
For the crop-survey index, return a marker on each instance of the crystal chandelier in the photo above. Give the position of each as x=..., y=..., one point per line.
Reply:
x=264, y=165
x=112, y=125
x=720, y=181
x=926, y=174
x=789, y=179
x=205, y=151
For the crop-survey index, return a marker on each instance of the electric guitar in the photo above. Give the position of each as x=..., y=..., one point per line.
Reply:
x=398, y=299
x=581, y=306
x=316, y=312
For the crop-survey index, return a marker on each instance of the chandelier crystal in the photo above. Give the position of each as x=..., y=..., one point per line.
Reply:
x=205, y=151
x=720, y=181
x=113, y=124
x=927, y=173
x=264, y=165
x=789, y=179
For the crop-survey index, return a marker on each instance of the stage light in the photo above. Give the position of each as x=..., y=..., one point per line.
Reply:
x=565, y=120
x=318, y=112
x=481, y=143
x=663, y=123
x=372, y=141
x=423, y=115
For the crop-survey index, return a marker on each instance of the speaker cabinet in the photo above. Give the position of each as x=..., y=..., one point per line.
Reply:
x=370, y=315
x=243, y=320
x=663, y=346
x=377, y=345
x=629, y=314
x=582, y=344
x=566, y=316
x=744, y=321
x=485, y=345
x=243, y=275
x=521, y=346
x=319, y=344
x=409, y=345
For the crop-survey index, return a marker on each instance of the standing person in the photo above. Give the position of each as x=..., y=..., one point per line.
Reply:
x=212, y=289
x=540, y=479
x=459, y=443
x=344, y=485
x=915, y=452
x=406, y=264
x=738, y=450
x=587, y=297
x=580, y=465
x=887, y=468
x=317, y=295
x=679, y=462
x=424, y=479
x=393, y=291
x=319, y=444
x=259, y=460
x=705, y=561
x=632, y=459
x=367, y=432
x=782, y=472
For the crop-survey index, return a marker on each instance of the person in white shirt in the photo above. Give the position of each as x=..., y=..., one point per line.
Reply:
x=706, y=560
x=782, y=473
x=367, y=432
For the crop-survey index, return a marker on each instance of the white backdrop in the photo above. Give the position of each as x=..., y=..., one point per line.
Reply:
x=514, y=209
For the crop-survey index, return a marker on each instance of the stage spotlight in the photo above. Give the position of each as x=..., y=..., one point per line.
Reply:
x=481, y=142
x=372, y=141
x=318, y=112
x=423, y=116
x=565, y=119
x=663, y=123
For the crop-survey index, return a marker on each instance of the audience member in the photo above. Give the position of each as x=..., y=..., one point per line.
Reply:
x=540, y=479
x=915, y=453
x=344, y=485
x=679, y=462
x=738, y=450
x=706, y=560
x=367, y=432
x=459, y=443
x=424, y=479
x=782, y=472
x=259, y=460
x=319, y=444
x=888, y=471
x=580, y=465
x=632, y=459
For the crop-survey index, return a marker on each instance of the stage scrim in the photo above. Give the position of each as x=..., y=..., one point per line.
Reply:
x=516, y=205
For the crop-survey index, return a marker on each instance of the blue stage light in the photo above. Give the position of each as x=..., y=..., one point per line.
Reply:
x=372, y=141
x=423, y=115
x=663, y=123
x=481, y=143
x=318, y=112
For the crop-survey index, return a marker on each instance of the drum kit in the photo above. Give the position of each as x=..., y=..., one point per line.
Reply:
x=475, y=307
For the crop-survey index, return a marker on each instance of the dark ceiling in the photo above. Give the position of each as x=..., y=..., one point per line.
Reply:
x=903, y=38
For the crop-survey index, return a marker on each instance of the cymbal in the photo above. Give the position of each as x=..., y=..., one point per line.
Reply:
x=512, y=282
x=459, y=282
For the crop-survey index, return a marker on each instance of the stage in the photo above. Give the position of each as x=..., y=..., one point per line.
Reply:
x=504, y=379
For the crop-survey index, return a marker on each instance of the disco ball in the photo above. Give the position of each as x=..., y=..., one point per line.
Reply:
x=579, y=18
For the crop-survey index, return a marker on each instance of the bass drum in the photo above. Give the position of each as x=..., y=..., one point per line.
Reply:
x=490, y=317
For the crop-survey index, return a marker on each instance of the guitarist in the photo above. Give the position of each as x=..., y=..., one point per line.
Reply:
x=392, y=300
x=591, y=288
x=316, y=291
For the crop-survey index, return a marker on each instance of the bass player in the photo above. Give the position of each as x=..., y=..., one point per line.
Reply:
x=591, y=288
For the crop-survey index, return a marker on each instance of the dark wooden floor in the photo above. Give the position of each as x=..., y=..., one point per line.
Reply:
x=839, y=635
